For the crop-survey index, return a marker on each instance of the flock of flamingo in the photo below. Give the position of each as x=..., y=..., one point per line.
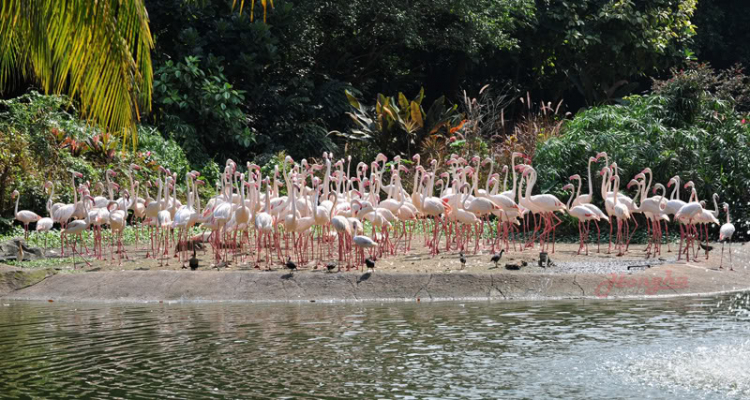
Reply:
x=322, y=218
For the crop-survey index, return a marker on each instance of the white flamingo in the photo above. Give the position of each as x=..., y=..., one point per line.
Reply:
x=725, y=235
x=24, y=216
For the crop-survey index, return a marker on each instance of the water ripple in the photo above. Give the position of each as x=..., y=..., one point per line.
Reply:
x=662, y=349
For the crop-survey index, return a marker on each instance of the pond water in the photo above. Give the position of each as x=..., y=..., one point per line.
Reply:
x=660, y=349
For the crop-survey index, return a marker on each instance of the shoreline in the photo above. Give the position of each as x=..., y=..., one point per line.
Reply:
x=248, y=286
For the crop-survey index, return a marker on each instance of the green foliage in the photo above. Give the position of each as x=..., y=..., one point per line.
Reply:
x=200, y=109
x=651, y=131
x=688, y=87
x=599, y=47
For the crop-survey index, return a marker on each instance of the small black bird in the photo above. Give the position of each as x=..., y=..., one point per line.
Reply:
x=289, y=264
x=496, y=258
x=707, y=248
x=370, y=263
x=330, y=267
x=193, y=262
x=462, y=259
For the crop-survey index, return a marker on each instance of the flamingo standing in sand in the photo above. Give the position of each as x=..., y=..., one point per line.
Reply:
x=725, y=235
x=45, y=224
x=583, y=215
x=24, y=216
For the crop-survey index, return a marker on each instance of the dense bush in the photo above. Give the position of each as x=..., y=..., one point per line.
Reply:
x=692, y=133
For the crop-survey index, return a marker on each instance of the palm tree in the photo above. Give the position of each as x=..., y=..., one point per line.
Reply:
x=98, y=52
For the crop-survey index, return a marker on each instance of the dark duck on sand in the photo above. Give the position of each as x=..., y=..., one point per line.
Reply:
x=497, y=257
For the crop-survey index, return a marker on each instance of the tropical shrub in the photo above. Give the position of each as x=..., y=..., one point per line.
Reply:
x=398, y=126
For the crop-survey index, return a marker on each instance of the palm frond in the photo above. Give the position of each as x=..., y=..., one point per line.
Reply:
x=98, y=52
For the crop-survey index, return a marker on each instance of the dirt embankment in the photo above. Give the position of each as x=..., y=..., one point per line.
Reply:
x=13, y=279
x=154, y=286
x=405, y=278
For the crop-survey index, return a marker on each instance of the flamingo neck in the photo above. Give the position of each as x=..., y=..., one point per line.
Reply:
x=513, y=170
x=591, y=184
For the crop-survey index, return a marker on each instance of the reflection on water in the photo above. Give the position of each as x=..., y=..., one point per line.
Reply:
x=677, y=348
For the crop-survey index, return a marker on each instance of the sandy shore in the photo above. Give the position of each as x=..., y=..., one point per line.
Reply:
x=401, y=278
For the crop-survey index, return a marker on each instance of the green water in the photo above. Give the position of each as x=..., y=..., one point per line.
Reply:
x=665, y=349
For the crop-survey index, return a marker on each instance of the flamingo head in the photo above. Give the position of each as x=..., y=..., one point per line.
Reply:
x=574, y=177
x=520, y=168
x=317, y=167
x=640, y=176
x=505, y=168
x=14, y=194
x=402, y=168
x=726, y=207
x=381, y=157
x=433, y=162
x=600, y=155
x=47, y=184
x=475, y=159
x=689, y=184
x=632, y=182
x=653, y=191
x=288, y=159
x=316, y=181
x=349, y=158
x=603, y=171
x=397, y=159
x=444, y=175
x=486, y=161
x=200, y=182
x=592, y=159
x=569, y=186
x=517, y=154
x=493, y=180
x=416, y=157
x=646, y=170
x=135, y=167
x=526, y=171
x=671, y=182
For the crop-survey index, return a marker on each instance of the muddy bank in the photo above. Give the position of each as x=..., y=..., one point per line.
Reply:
x=257, y=286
